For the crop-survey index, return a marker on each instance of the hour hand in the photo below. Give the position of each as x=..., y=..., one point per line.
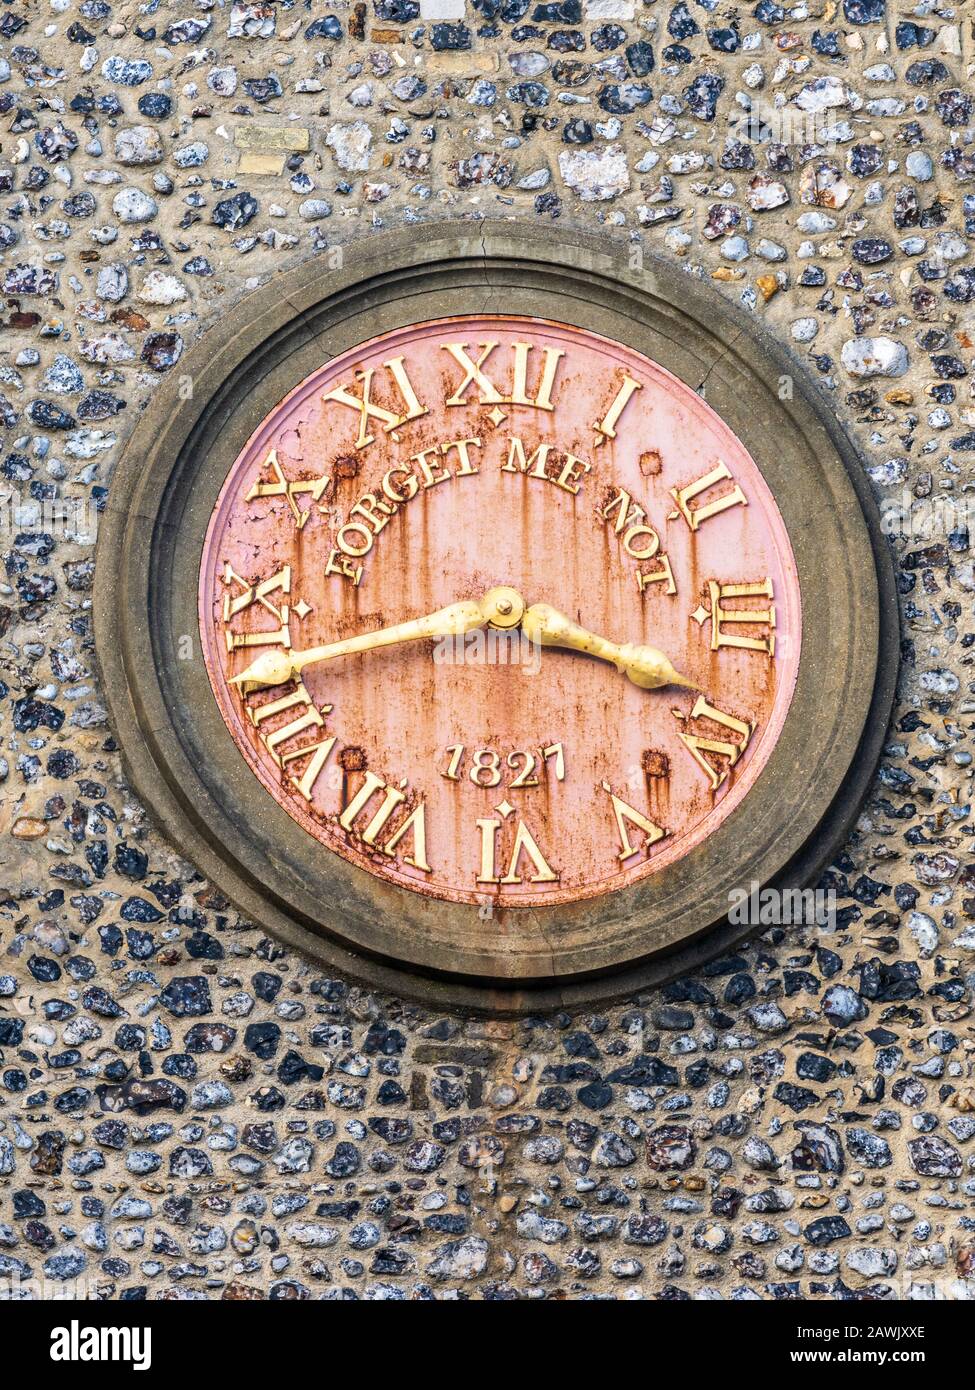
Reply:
x=501, y=607
x=644, y=666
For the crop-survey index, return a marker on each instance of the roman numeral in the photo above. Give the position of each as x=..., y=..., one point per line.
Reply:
x=698, y=744
x=307, y=717
x=719, y=617
x=606, y=427
x=257, y=593
x=683, y=496
x=392, y=799
x=475, y=375
x=625, y=816
x=281, y=487
x=369, y=410
x=524, y=844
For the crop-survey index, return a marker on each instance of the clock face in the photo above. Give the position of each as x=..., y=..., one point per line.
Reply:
x=500, y=611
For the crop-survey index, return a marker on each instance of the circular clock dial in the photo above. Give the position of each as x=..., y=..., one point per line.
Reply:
x=501, y=611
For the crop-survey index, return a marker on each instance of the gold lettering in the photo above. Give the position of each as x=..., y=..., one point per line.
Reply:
x=311, y=719
x=719, y=616
x=466, y=468
x=606, y=427
x=524, y=843
x=416, y=825
x=281, y=487
x=698, y=745
x=259, y=593
x=543, y=396
x=474, y=375
x=357, y=528
x=534, y=465
x=367, y=408
x=341, y=565
x=628, y=512
x=431, y=478
x=518, y=461
x=317, y=753
x=489, y=834
x=570, y=477
x=299, y=696
x=658, y=576
x=376, y=511
x=684, y=495
x=393, y=798
x=638, y=539
x=650, y=542
x=371, y=784
x=627, y=815
x=411, y=485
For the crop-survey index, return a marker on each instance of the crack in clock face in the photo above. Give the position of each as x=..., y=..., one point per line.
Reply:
x=501, y=611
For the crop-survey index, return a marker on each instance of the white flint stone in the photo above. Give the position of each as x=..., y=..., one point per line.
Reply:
x=132, y=205
x=949, y=246
x=361, y=96
x=771, y=250
x=685, y=163
x=528, y=64
x=139, y=144
x=805, y=329
x=765, y=194
x=314, y=209
x=874, y=357
x=919, y=165
x=223, y=81
x=924, y=929
x=594, y=175
x=735, y=248
x=813, y=222
x=822, y=94
x=888, y=106
x=112, y=283
x=160, y=288
x=609, y=9
x=350, y=145
x=538, y=178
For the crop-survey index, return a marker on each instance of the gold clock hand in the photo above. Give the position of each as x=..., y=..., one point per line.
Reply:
x=645, y=666
x=499, y=607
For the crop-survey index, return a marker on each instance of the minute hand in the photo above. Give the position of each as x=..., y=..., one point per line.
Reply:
x=274, y=668
x=645, y=666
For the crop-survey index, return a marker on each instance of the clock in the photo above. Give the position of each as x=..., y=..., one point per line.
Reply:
x=485, y=643
x=500, y=611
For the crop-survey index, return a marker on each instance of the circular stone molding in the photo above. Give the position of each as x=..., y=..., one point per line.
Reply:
x=207, y=797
